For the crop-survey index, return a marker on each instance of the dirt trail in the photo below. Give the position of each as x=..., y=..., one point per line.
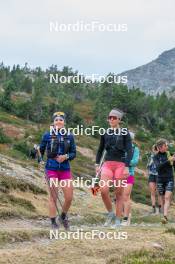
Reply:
x=45, y=251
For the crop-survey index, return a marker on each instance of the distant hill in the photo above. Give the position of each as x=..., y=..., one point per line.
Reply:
x=156, y=76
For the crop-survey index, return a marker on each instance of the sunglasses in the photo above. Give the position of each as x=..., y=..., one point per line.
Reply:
x=112, y=117
x=59, y=113
x=59, y=119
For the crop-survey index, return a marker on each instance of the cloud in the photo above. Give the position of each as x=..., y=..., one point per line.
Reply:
x=25, y=34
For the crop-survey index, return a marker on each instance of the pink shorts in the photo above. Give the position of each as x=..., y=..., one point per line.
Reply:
x=60, y=175
x=130, y=179
x=112, y=170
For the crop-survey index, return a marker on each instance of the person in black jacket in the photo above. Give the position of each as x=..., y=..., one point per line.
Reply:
x=118, y=146
x=165, y=163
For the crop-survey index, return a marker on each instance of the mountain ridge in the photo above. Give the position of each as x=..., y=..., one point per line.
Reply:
x=156, y=76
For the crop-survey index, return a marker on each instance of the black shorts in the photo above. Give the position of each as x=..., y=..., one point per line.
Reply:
x=152, y=178
x=162, y=187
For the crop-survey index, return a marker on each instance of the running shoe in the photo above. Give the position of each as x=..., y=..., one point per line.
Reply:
x=125, y=222
x=54, y=225
x=109, y=219
x=164, y=220
x=117, y=223
x=64, y=221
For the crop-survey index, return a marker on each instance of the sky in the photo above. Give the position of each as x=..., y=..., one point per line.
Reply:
x=25, y=34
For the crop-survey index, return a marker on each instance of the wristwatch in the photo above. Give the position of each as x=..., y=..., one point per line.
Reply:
x=67, y=156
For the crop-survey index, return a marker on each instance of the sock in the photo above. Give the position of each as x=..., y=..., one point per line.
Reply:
x=125, y=218
x=63, y=215
x=53, y=220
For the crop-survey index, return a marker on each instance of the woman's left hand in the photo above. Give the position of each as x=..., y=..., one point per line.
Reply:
x=61, y=158
x=126, y=172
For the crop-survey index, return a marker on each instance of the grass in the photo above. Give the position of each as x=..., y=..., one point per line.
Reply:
x=21, y=236
x=10, y=183
x=87, y=142
x=170, y=230
x=17, y=211
x=80, y=166
x=14, y=153
x=89, y=219
x=4, y=138
x=11, y=119
x=144, y=256
x=11, y=206
x=153, y=219
x=140, y=191
x=85, y=110
x=21, y=205
x=6, y=199
x=11, y=212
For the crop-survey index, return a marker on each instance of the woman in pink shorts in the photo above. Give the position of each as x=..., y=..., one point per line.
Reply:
x=117, y=143
x=61, y=149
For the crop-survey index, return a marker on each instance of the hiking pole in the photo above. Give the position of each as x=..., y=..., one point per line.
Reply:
x=95, y=186
x=56, y=193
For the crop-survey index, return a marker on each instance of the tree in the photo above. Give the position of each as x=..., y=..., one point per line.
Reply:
x=6, y=101
x=27, y=85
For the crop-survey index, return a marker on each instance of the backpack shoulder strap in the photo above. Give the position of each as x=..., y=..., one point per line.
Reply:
x=66, y=144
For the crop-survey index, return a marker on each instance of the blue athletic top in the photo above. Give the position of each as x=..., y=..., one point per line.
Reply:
x=51, y=163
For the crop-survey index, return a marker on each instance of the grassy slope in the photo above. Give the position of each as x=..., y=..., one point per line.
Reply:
x=17, y=201
x=82, y=166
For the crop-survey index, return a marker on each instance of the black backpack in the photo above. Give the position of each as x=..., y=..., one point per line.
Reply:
x=52, y=151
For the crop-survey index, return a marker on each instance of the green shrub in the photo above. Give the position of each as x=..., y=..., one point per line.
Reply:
x=22, y=147
x=142, y=136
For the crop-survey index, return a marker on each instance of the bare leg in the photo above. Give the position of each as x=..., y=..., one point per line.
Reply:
x=53, y=192
x=162, y=200
x=105, y=195
x=119, y=201
x=152, y=187
x=168, y=196
x=68, y=195
x=127, y=200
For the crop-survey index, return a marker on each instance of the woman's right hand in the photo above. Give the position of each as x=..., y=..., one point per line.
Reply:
x=97, y=168
x=171, y=158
